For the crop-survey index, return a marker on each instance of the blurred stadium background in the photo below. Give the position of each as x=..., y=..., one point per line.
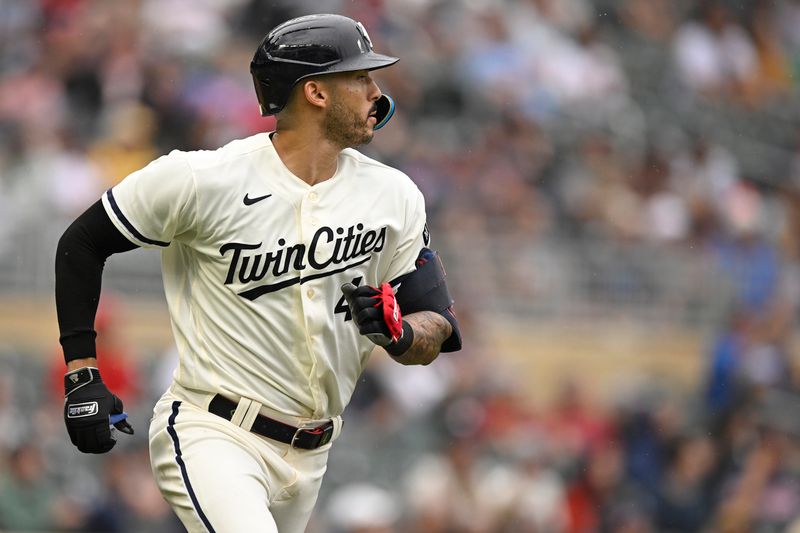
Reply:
x=614, y=185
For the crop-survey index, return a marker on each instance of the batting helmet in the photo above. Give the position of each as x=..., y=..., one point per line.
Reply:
x=307, y=46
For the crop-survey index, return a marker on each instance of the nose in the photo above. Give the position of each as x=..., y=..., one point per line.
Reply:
x=374, y=91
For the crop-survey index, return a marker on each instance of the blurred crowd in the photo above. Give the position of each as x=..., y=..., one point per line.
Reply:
x=667, y=125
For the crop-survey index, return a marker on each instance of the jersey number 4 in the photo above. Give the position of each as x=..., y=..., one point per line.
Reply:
x=341, y=305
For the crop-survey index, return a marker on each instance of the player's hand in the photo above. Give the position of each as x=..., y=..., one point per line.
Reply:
x=375, y=311
x=91, y=410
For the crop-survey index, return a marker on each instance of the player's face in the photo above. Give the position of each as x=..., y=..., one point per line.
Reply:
x=349, y=120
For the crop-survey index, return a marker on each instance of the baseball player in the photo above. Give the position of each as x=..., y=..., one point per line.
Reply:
x=286, y=257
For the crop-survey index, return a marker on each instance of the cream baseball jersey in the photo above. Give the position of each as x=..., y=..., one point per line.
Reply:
x=253, y=259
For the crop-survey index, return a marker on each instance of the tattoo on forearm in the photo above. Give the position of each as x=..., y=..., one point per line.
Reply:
x=430, y=331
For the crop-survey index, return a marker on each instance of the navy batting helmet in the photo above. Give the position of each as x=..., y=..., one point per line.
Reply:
x=307, y=46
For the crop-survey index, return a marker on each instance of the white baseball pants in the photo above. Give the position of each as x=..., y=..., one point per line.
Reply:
x=221, y=478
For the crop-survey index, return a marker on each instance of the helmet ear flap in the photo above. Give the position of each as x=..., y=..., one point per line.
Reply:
x=385, y=111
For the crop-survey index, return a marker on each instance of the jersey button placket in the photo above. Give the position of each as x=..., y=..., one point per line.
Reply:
x=312, y=198
x=309, y=224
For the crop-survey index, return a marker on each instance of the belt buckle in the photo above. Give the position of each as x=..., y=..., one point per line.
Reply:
x=297, y=433
x=325, y=431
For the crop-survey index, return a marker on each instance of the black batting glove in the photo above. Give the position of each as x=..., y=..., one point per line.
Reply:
x=90, y=410
x=377, y=316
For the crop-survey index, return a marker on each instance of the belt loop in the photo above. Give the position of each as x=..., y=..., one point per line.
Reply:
x=337, y=427
x=241, y=410
x=251, y=415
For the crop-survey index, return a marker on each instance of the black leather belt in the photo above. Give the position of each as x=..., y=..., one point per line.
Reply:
x=305, y=438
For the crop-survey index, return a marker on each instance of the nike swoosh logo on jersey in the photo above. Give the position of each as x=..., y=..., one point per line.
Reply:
x=250, y=201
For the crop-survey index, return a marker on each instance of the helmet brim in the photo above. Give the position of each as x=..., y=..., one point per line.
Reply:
x=368, y=61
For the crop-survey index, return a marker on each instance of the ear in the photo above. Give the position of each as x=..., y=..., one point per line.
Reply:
x=316, y=93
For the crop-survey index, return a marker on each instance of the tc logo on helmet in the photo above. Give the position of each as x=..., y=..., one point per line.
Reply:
x=363, y=31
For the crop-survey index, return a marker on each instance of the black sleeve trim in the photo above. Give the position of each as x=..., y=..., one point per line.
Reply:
x=80, y=257
x=127, y=223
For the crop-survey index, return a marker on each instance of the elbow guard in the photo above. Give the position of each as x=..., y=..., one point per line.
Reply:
x=425, y=289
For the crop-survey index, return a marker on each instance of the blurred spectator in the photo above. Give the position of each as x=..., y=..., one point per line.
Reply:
x=27, y=498
x=750, y=355
x=715, y=57
x=650, y=425
x=773, y=77
x=177, y=24
x=592, y=190
x=74, y=180
x=743, y=253
x=664, y=213
x=765, y=494
x=540, y=502
x=577, y=423
x=415, y=391
x=129, y=143
x=653, y=19
x=704, y=174
x=724, y=385
x=685, y=497
x=601, y=498
x=458, y=491
x=787, y=14
x=362, y=508
x=129, y=499
x=494, y=64
x=13, y=428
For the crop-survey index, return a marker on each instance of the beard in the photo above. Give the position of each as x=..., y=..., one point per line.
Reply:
x=345, y=128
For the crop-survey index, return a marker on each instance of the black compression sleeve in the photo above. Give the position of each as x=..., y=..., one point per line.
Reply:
x=80, y=257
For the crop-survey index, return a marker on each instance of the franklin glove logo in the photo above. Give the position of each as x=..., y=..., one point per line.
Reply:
x=80, y=410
